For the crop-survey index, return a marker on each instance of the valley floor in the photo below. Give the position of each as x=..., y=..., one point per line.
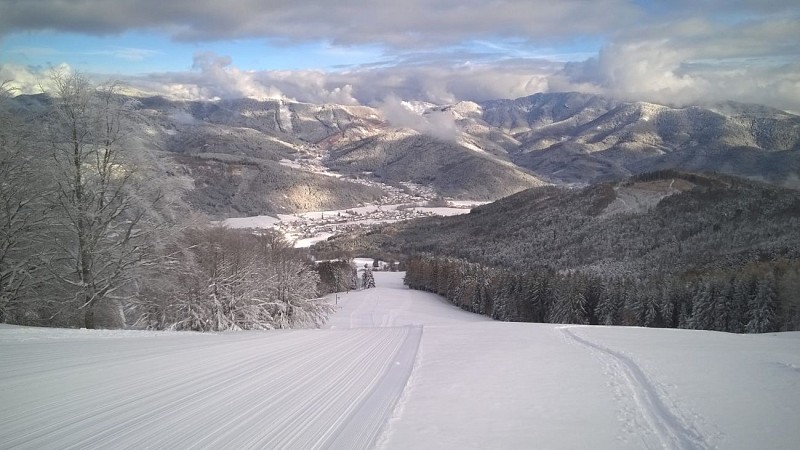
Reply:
x=397, y=368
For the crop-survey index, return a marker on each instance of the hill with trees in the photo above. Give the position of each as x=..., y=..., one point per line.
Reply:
x=661, y=249
x=96, y=233
x=240, y=157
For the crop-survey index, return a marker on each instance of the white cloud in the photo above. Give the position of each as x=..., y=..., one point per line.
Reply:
x=681, y=63
x=221, y=79
x=439, y=124
x=29, y=80
x=217, y=76
x=128, y=53
x=668, y=51
x=696, y=61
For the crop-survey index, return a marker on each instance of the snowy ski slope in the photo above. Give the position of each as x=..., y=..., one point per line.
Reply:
x=239, y=390
x=396, y=368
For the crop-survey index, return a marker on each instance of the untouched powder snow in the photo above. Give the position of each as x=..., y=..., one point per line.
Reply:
x=397, y=368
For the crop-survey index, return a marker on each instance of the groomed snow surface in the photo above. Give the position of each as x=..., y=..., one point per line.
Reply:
x=403, y=369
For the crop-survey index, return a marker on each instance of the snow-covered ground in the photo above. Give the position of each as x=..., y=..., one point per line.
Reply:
x=308, y=228
x=409, y=201
x=396, y=368
x=643, y=196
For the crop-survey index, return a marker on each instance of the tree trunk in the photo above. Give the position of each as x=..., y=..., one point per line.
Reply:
x=88, y=317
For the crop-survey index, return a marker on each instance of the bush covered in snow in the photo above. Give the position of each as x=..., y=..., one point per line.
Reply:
x=220, y=279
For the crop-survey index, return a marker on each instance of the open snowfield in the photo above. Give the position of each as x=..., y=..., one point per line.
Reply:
x=396, y=368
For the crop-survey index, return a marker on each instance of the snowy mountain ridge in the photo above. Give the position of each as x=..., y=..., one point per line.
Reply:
x=228, y=149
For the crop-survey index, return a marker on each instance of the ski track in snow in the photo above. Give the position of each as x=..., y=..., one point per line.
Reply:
x=669, y=429
x=293, y=389
x=364, y=382
x=367, y=422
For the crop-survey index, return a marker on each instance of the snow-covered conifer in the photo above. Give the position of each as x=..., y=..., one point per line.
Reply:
x=762, y=307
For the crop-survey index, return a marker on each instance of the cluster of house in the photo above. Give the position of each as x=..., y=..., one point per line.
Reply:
x=349, y=220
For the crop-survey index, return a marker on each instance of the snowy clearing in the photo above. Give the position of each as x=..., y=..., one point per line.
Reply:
x=256, y=222
x=396, y=368
x=642, y=196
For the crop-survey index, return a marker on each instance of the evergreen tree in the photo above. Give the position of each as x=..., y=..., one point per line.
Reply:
x=723, y=307
x=703, y=307
x=610, y=305
x=368, y=279
x=740, y=299
x=741, y=302
x=651, y=309
x=570, y=302
x=505, y=293
x=668, y=307
x=531, y=300
x=762, y=308
x=485, y=291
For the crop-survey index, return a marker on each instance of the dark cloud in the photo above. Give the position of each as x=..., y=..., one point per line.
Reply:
x=408, y=23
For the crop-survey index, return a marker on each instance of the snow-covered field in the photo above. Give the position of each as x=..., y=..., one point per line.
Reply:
x=396, y=368
x=306, y=229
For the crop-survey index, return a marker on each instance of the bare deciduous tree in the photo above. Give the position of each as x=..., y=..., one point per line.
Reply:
x=21, y=212
x=98, y=219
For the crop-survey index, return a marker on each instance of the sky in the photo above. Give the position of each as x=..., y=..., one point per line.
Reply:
x=676, y=52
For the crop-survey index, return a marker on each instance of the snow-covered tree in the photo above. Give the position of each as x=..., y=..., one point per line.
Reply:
x=703, y=306
x=609, y=307
x=570, y=304
x=724, y=308
x=291, y=296
x=22, y=214
x=762, y=307
x=97, y=217
x=225, y=279
x=335, y=276
x=367, y=278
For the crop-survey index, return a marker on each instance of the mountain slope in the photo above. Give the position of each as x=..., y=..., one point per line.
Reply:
x=576, y=137
x=466, y=150
x=350, y=140
x=447, y=166
x=661, y=223
x=231, y=187
x=562, y=137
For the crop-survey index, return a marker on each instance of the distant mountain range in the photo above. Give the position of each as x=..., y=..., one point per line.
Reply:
x=246, y=157
x=574, y=137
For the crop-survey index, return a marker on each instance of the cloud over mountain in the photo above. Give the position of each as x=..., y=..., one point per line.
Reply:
x=696, y=61
x=677, y=52
x=439, y=124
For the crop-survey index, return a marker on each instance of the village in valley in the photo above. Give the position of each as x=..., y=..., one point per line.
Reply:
x=410, y=201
